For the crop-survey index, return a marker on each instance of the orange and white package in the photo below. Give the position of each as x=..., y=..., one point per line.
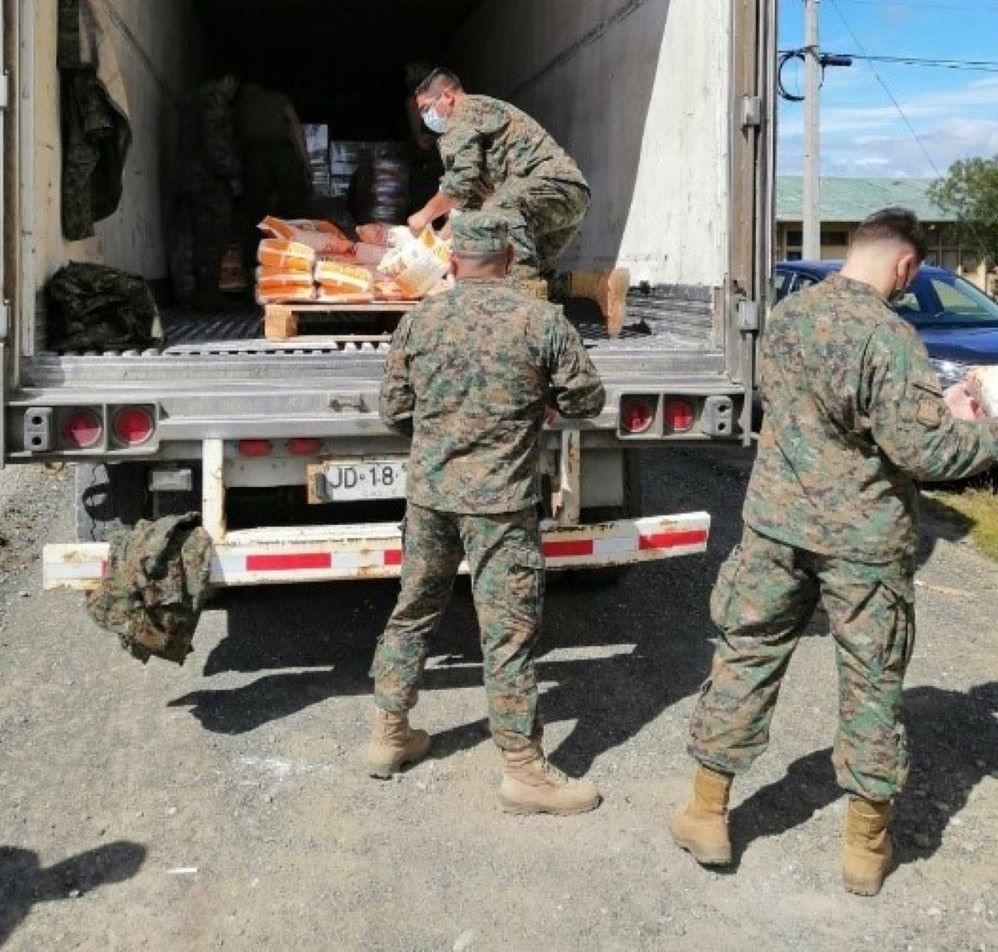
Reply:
x=321, y=236
x=347, y=275
x=433, y=242
x=342, y=294
x=416, y=264
x=392, y=291
x=287, y=255
x=270, y=278
x=285, y=294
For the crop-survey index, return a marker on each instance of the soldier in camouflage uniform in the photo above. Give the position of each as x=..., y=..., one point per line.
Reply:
x=212, y=181
x=499, y=159
x=853, y=417
x=473, y=373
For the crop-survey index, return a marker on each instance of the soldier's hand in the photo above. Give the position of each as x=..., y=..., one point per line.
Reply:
x=417, y=225
x=964, y=401
x=550, y=416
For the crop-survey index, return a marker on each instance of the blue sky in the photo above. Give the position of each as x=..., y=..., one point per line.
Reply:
x=955, y=113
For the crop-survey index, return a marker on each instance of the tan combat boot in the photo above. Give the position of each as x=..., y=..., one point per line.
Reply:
x=532, y=785
x=394, y=744
x=867, y=851
x=701, y=827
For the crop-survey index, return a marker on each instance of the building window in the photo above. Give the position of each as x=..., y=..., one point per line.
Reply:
x=950, y=259
x=836, y=238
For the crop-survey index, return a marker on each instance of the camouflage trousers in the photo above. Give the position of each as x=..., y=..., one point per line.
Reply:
x=507, y=579
x=763, y=600
x=543, y=215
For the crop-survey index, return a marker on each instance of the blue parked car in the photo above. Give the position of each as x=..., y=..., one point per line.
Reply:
x=957, y=322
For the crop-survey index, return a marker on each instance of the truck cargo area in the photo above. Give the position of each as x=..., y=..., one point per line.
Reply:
x=655, y=144
x=664, y=104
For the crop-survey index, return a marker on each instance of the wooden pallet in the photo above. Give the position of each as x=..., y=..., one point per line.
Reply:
x=281, y=321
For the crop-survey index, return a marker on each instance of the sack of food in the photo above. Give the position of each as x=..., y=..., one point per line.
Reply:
x=267, y=278
x=374, y=234
x=337, y=294
x=285, y=292
x=416, y=264
x=285, y=255
x=984, y=384
x=348, y=276
x=321, y=236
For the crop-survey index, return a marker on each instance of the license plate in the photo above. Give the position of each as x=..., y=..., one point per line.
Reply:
x=354, y=480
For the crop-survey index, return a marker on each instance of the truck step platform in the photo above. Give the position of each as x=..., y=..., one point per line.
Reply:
x=281, y=556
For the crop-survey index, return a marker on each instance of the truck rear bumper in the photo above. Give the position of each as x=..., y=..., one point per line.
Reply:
x=346, y=553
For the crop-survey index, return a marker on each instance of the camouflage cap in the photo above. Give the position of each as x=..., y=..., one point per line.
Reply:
x=480, y=233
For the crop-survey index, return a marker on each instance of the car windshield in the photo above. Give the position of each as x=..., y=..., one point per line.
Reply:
x=946, y=300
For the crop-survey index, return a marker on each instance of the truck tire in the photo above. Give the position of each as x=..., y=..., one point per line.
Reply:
x=109, y=497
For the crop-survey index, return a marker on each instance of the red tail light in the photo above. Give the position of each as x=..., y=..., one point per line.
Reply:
x=680, y=416
x=133, y=426
x=637, y=414
x=304, y=446
x=82, y=429
x=254, y=448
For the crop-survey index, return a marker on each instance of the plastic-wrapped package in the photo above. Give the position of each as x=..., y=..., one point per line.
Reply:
x=267, y=278
x=346, y=275
x=285, y=294
x=321, y=236
x=285, y=255
x=341, y=294
x=416, y=264
x=374, y=234
x=985, y=383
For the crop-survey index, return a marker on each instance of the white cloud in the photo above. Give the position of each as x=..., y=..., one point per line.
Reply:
x=951, y=124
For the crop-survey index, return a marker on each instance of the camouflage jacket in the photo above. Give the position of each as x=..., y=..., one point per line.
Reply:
x=853, y=417
x=157, y=583
x=208, y=138
x=488, y=142
x=472, y=372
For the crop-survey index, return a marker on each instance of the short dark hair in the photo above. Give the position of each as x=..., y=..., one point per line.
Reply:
x=440, y=78
x=894, y=224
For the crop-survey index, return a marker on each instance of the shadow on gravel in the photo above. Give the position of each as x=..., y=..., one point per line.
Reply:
x=610, y=659
x=23, y=882
x=268, y=699
x=953, y=741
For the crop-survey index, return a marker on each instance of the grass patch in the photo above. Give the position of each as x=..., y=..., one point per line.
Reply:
x=974, y=509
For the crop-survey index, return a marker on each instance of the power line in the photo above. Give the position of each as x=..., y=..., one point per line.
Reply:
x=976, y=7
x=967, y=66
x=904, y=116
x=976, y=66
x=886, y=88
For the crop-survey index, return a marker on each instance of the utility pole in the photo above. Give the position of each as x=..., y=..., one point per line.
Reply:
x=812, y=132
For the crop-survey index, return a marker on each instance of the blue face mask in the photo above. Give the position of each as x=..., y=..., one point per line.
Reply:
x=434, y=121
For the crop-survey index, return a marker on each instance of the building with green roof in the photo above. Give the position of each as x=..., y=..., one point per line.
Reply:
x=845, y=202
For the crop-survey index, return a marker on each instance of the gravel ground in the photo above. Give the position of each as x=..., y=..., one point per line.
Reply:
x=221, y=805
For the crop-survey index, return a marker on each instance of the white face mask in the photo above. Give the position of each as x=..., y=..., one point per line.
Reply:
x=434, y=121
